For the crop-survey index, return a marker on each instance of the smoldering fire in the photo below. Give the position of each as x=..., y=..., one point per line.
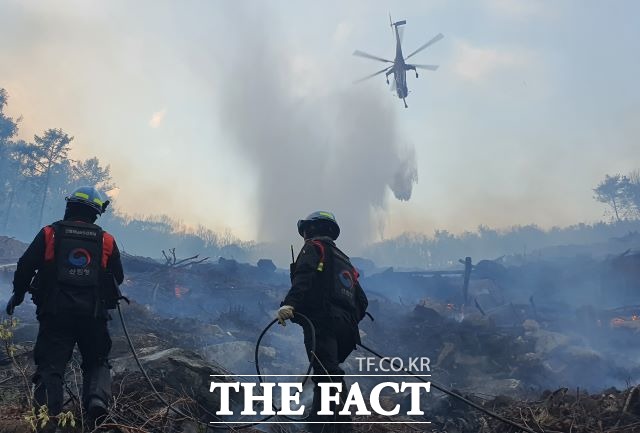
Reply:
x=330, y=395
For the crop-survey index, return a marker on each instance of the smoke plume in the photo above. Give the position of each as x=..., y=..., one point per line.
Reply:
x=314, y=143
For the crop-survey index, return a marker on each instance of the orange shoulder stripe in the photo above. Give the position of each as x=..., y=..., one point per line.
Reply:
x=107, y=248
x=49, y=244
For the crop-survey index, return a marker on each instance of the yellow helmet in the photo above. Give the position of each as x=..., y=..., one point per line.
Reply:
x=89, y=196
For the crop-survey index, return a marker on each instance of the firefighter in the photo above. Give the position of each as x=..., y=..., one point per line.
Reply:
x=72, y=269
x=325, y=288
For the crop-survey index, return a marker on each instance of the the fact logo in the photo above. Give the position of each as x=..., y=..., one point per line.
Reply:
x=354, y=403
x=284, y=397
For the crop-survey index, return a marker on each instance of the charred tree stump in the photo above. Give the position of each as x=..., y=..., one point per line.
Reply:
x=465, y=283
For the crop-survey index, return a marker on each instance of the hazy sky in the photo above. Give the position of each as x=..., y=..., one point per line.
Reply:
x=534, y=102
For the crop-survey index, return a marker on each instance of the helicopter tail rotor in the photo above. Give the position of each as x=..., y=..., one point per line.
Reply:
x=397, y=23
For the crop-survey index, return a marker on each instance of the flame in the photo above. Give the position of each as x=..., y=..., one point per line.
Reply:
x=617, y=321
x=620, y=321
x=181, y=291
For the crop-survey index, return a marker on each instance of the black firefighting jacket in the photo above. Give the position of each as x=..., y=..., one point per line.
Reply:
x=70, y=302
x=315, y=275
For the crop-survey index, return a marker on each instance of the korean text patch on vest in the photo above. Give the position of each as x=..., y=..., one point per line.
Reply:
x=344, y=285
x=78, y=254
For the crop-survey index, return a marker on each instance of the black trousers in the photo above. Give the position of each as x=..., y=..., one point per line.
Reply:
x=57, y=337
x=334, y=343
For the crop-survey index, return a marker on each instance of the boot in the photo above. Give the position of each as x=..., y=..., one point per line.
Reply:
x=96, y=411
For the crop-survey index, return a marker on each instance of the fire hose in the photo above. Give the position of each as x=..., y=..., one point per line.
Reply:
x=437, y=386
x=455, y=395
x=209, y=425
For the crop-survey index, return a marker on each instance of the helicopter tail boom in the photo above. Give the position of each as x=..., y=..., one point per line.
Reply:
x=397, y=23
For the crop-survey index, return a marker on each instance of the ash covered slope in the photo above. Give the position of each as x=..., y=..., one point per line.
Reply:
x=189, y=321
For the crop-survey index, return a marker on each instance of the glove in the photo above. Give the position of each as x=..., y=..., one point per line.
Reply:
x=285, y=312
x=14, y=301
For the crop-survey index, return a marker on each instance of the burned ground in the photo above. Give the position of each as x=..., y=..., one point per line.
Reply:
x=517, y=345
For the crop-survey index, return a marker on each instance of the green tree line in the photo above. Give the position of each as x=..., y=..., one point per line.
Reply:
x=35, y=174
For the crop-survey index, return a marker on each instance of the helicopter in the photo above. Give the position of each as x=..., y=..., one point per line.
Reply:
x=399, y=67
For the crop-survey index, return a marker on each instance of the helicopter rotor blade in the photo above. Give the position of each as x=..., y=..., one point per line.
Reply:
x=359, y=53
x=428, y=67
x=431, y=42
x=372, y=75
